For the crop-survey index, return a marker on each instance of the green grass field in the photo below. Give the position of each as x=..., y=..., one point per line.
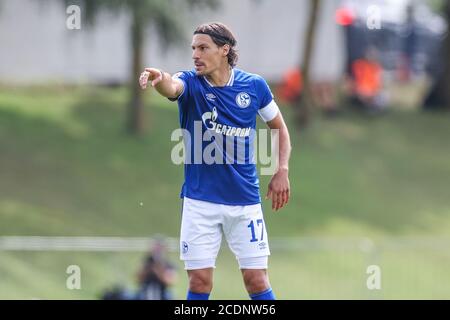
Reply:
x=69, y=169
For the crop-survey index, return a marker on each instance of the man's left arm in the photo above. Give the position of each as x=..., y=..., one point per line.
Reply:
x=279, y=188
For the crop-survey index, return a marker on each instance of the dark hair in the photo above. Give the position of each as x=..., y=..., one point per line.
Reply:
x=220, y=35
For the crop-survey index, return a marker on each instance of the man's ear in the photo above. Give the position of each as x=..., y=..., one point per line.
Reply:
x=226, y=49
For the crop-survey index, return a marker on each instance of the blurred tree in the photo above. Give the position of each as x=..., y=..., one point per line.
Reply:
x=164, y=15
x=436, y=5
x=439, y=95
x=305, y=104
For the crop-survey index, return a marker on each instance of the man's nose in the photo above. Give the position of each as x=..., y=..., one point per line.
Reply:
x=195, y=54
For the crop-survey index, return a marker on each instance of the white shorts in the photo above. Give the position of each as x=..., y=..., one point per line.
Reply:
x=202, y=225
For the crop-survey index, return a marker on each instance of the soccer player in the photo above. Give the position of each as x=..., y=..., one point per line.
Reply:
x=223, y=197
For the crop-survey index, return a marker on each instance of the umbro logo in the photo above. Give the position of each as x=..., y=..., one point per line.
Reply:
x=210, y=97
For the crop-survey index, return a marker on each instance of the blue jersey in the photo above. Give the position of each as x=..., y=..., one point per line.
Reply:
x=226, y=117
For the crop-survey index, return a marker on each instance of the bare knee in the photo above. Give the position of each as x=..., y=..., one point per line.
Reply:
x=255, y=280
x=200, y=281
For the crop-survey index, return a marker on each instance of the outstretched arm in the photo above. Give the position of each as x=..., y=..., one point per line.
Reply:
x=279, y=188
x=162, y=82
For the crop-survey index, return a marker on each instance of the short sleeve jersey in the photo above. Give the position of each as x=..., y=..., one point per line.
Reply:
x=219, y=125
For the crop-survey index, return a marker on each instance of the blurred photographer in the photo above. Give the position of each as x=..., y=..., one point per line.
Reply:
x=156, y=275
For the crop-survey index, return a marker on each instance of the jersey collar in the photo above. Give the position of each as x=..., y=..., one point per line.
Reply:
x=229, y=83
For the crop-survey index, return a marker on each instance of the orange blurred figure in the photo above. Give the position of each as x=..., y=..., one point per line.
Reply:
x=367, y=74
x=291, y=86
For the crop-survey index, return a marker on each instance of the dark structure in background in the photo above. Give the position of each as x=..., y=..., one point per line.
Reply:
x=406, y=50
x=414, y=41
x=439, y=95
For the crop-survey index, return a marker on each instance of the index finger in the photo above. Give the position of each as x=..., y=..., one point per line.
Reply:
x=153, y=71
